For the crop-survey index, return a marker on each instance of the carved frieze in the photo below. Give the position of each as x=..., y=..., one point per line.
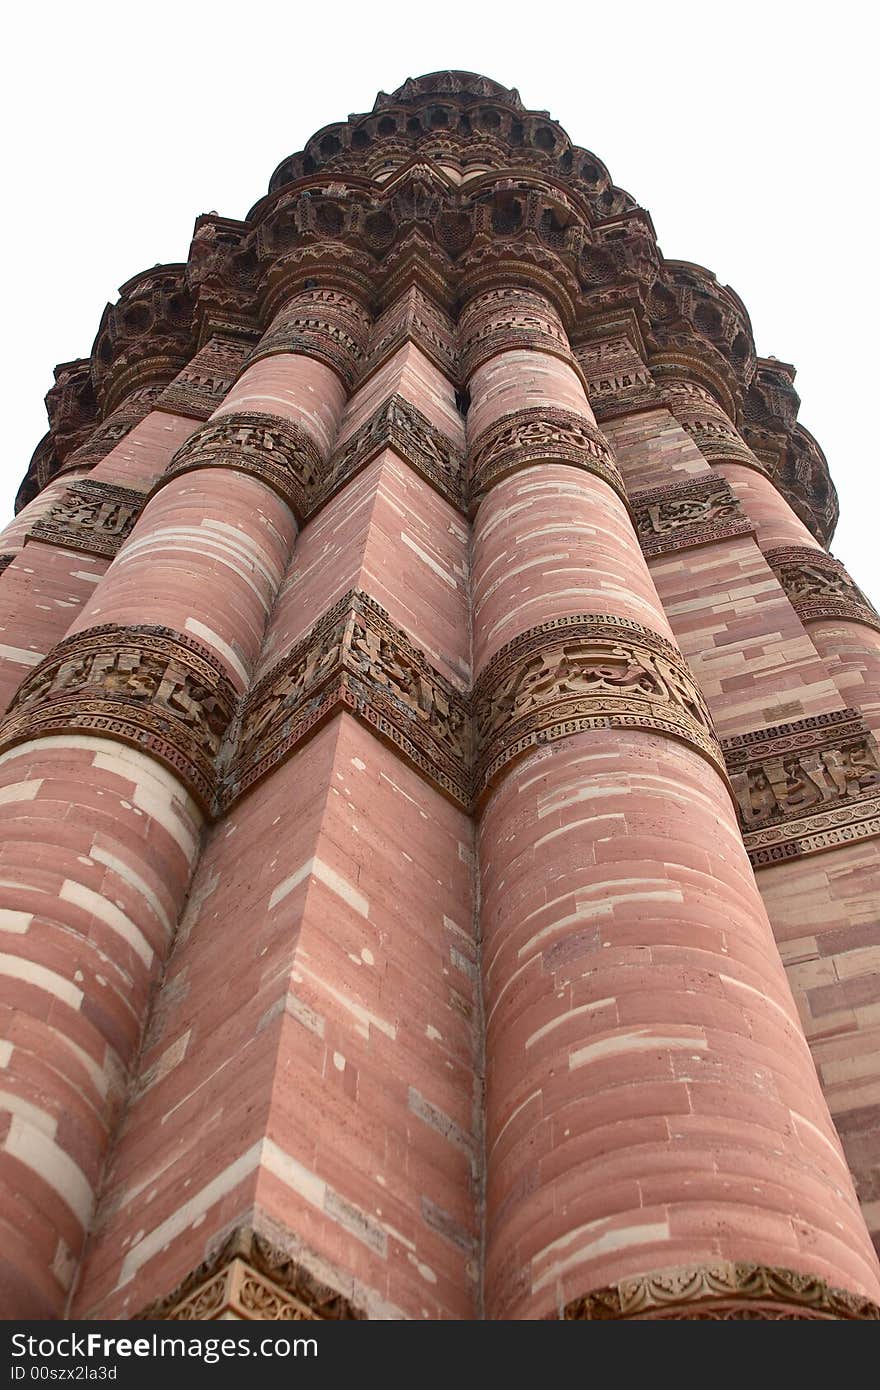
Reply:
x=91, y=516
x=700, y=416
x=278, y=452
x=200, y=387
x=398, y=425
x=414, y=318
x=146, y=685
x=540, y=435
x=136, y=406
x=322, y=323
x=355, y=658
x=805, y=786
x=503, y=319
x=695, y=511
x=722, y=1291
x=250, y=1278
x=557, y=679
x=6, y=561
x=585, y=672
x=819, y=586
x=618, y=382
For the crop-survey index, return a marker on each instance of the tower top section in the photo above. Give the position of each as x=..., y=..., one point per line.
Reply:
x=449, y=183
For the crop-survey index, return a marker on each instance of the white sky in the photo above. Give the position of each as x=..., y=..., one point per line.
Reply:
x=748, y=130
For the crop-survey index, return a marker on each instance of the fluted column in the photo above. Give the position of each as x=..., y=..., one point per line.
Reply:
x=108, y=768
x=841, y=622
x=350, y=1004
x=651, y=1102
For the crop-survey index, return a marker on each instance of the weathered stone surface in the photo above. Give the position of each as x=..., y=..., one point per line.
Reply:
x=412, y=790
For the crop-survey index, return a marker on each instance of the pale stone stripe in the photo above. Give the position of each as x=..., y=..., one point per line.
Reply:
x=565, y=1018
x=329, y=877
x=17, y=968
x=429, y=561
x=189, y=1212
x=200, y=630
x=20, y=791
x=13, y=921
x=133, y=879
x=108, y=913
x=365, y=1018
x=641, y=1040
x=618, y=1238
x=44, y=1157
x=791, y=1018
x=292, y=1173
x=28, y=1112
x=512, y=1116
x=5, y=1052
x=586, y=912
x=20, y=656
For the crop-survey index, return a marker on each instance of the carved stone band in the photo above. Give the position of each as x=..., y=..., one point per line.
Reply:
x=819, y=586
x=277, y=452
x=618, y=382
x=147, y=686
x=399, y=426
x=538, y=435
x=585, y=672
x=355, y=658
x=413, y=318
x=805, y=786
x=250, y=1278
x=200, y=387
x=504, y=320
x=723, y=1291
x=696, y=511
x=327, y=325
x=91, y=516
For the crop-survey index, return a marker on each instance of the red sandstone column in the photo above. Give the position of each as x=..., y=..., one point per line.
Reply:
x=110, y=762
x=841, y=622
x=351, y=1005
x=651, y=1104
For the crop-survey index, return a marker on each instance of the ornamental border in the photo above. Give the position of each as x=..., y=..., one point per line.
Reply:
x=725, y=1290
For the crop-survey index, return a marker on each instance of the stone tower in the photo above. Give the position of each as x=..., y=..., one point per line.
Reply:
x=439, y=793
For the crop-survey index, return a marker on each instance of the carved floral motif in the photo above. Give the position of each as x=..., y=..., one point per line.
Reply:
x=414, y=318
x=502, y=319
x=249, y=1277
x=398, y=425
x=322, y=323
x=585, y=672
x=278, y=452
x=819, y=586
x=723, y=1291
x=695, y=511
x=146, y=685
x=618, y=382
x=805, y=786
x=540, y=435
x=200, y=387
x=355, y=658
x=91, y=516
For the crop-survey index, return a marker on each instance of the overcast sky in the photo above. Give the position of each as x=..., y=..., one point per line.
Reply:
x=748, y=130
